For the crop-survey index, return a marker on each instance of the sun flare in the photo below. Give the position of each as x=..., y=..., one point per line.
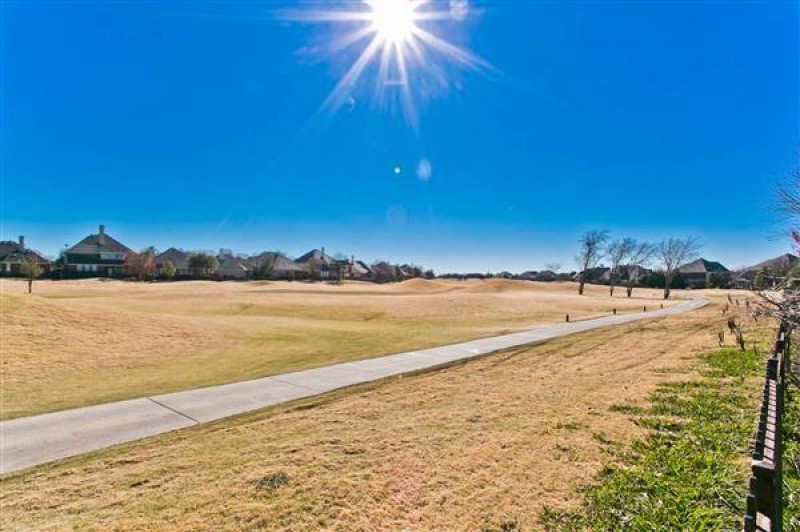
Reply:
x=402, y=47
x=393, y=20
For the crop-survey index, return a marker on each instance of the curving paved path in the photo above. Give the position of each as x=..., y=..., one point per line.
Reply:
x=34, y=440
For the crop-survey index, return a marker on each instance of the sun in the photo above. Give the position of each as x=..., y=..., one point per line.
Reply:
x=402, y=48
x=394, y=21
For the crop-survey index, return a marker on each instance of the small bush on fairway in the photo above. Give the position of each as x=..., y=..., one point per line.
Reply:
x=271, y=482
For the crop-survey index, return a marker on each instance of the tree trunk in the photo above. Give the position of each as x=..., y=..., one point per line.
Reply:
x=580, y=287
x=630, y=290
x=30, y=286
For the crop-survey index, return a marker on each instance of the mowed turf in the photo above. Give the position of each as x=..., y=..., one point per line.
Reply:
x=484, y=445
x=76, y=343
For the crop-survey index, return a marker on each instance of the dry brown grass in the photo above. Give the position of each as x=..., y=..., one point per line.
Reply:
x=470, y=447
x=75, y=343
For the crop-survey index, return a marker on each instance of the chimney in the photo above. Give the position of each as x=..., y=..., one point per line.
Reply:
x=101, y=235
x=21, y=242
x=322, y=253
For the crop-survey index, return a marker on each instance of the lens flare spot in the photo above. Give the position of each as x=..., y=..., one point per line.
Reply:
x=424, y=170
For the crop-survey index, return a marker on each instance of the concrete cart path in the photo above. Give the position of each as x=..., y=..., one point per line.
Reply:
x=34, y=440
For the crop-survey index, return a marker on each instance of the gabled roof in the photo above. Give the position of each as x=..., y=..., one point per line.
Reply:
x=703, y=266
x=279, y=262
x=177, y=257
x=316, y=256
x=17, y=256
x=232, y=263
x=8, y=247
x=361, y=267
x=92, y=244
x=782, y=264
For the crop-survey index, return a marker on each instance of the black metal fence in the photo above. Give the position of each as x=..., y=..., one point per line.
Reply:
x=765, y=498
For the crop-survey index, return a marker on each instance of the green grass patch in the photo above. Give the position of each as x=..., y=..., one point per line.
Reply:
x=690, y=472
x=791, y=462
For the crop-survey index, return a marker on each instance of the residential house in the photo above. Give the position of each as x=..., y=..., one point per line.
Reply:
x=360, y=270
x=231, y=267
x=99, y=255
x=545, y=276
x=566, y=276
x=772, y=272
x=320, y=265
x=407, y=271
x=274, y=265
x=178, y=258
x=383, y=272
x=12, y=255
x=701, y=273
x=599, y=275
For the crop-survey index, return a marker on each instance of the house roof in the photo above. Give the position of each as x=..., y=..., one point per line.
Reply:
x=232, y=264
x=361, y=267
x=702, y=266
x=17, y=256
x=280, y=262
x=178, y=258
x=92, y=244
x=8, y=247
x=783, y=263
x=316, y=256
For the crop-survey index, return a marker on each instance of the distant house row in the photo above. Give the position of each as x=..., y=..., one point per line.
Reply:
x=101, y=255
x=703, y=273
x=700, y=273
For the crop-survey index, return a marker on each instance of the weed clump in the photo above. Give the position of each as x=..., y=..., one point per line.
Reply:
x=274, y=481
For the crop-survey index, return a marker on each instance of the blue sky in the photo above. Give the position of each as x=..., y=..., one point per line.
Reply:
x=196, y=125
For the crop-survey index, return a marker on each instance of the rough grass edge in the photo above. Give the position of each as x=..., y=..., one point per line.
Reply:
x=690, y=472
x=791, y=456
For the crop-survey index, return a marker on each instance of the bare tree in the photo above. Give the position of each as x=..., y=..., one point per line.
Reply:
x=640, y=255
x=31, y=268
x=591, y=253
x=789, y=205
x=673, y=253
x=779, y=300
x=141, y=265
x=617, y=252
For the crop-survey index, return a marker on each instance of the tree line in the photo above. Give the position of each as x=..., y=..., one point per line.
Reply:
x=628, y=253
